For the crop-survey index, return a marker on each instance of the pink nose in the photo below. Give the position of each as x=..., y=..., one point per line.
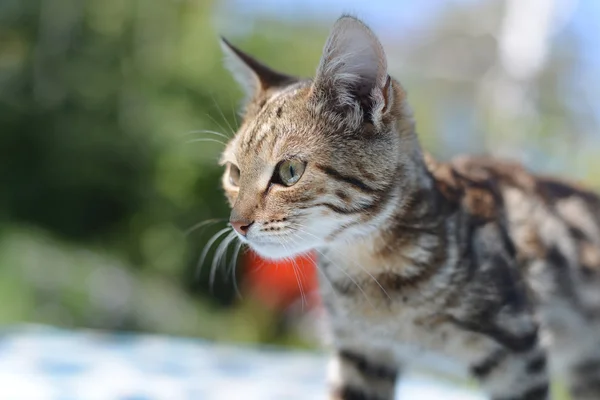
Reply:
x=241, y=226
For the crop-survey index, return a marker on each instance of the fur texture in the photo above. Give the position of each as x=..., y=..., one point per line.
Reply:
x=477, y=262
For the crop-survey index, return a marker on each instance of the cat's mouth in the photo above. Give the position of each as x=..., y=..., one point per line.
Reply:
x=276, y=241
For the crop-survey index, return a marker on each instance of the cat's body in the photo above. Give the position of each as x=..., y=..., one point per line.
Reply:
x=477, y=262
x=459, y=266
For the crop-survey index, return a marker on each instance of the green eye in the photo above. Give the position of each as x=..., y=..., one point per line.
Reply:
x=234, y=175
x=289, y=172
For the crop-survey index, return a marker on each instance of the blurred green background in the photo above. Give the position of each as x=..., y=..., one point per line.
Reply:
x=101, y=100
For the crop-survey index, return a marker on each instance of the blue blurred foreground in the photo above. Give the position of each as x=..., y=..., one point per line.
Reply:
x=39, y=363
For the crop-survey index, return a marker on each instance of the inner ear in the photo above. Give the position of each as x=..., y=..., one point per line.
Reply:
x=387, y=94
x=353, y=67
x=368, y=103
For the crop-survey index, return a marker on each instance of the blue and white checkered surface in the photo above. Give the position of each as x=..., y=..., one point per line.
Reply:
x=39, y=363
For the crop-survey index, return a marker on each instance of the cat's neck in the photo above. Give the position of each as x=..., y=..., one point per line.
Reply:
x=413, y=226
x=419, y=203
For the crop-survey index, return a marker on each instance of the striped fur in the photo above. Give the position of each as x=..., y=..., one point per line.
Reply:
x=477, y=262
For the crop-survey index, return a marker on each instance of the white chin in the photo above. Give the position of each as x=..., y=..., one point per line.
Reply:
x=275, y=252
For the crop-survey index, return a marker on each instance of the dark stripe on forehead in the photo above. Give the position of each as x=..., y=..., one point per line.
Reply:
x=354, y=181
x=245, y=145
x=265, y=113
x=258, y=134
x=254, y=138
x=262, y=138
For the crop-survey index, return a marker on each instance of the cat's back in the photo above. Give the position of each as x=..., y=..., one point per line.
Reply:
x=551, y=191
x=544, y=216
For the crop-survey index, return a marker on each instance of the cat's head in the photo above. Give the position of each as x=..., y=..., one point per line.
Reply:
x=316, y=161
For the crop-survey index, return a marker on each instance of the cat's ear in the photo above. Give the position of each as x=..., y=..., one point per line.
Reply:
x=353, y=67
x=253, y=76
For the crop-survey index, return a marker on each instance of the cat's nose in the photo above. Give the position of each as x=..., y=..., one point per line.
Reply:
x=241, y=226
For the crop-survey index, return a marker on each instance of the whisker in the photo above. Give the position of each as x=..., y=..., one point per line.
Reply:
x=338, y=267
x=219, y=253
x=327, y=279
x=233, y=266
x=257, y=268
x=216, y=122
x=294, y=269
x=222, y=115
x=301, y=278
x=237, y=123
x=207, y=131
x=203, y=223
x=297, y=271
x=207, y=247
x=300, y=286
x=316, y=265
x=206, y=140
x=356, y=264
x=349, y=277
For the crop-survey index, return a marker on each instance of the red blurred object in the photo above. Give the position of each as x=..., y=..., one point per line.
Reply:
x=276, y=283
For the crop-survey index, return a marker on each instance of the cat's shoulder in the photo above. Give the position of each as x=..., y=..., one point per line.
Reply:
x=478, y=182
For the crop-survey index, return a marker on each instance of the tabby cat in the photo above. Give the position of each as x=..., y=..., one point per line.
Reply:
x=476, y=261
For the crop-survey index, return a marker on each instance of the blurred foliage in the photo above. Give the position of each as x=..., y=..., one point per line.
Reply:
x=100, y=104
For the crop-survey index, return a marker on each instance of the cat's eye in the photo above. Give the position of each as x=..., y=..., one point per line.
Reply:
x=289, y=172
x=234, y=175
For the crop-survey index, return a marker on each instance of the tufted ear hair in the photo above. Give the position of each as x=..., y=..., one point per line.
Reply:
x=353, y=68
x=254, y=77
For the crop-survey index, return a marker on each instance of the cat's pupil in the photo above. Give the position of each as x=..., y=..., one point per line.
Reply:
x=288, y=172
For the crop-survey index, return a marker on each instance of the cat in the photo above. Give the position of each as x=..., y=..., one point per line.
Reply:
x=476, y=261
